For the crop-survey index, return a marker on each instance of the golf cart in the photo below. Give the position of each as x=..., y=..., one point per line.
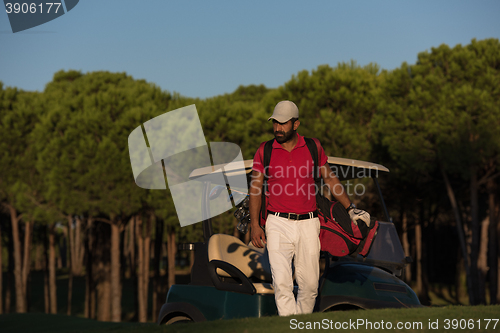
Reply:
x=230, y=279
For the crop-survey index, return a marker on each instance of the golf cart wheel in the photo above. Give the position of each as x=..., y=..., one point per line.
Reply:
x=179, y=319
x=179, y=312
x=343, y=307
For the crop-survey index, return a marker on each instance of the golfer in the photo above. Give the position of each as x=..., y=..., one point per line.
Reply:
x=292, y=225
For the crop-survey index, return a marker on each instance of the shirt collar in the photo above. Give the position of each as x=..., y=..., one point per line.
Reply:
x=300, y=143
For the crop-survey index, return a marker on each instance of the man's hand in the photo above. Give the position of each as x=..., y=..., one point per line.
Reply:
x=358, y=214
x=258, y=236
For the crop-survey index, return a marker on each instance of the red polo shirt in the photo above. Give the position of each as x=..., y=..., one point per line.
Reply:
x=291, y=182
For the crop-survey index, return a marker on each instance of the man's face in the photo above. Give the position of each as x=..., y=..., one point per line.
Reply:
x=283, y=132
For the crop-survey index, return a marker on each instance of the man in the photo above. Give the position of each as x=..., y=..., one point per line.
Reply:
x=292, y=225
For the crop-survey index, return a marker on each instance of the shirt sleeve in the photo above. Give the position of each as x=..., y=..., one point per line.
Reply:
x=322, y=158
x=258, y=164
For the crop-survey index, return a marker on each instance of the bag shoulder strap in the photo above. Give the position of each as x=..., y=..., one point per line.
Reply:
x=266, y=158
x=312, y=145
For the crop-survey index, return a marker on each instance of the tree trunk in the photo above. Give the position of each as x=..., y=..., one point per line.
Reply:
x=157, y=281
x=116, y=286
x=132, y=262
x=103, y=293
x=476, y=231
x=131, y=246
x=28, y=230
x=71, y=260
x=492, y=243
x=10, y=274
x=497, y=213
x=102, y=272
x=143, y=236
x=482, y=261
x=46, y=288
x=460, y=280
x=90, y=301
x=145, y=262
x=20, y=294
x=21, y=259
x=52, y=270
x=406, y=247
x=461, y=236
x=1, y=272
x=46, y=291
x=78, y=249
x=70, y=290
x=421, y=283
x=141, y=274
x=172, y=250
x=123, y=260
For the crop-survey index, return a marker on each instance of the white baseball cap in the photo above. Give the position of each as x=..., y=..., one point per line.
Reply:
x=284, y=111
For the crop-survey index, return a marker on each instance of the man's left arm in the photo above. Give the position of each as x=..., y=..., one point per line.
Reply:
x=335, y=186
x=339, y=193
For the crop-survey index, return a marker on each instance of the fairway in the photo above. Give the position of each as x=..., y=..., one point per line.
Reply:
x=431, y=319
x=46, y=323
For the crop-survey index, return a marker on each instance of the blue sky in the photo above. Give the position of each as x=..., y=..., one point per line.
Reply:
x=207, y=48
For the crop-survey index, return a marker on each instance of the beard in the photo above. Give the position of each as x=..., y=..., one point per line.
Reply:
x=286, y=136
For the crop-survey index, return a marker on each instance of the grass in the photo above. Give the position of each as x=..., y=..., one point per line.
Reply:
x=416, y=320
x=45, y=323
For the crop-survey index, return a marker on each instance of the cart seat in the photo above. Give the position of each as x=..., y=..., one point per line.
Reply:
x=267, y=288
x=264, y=288
x=252, y=261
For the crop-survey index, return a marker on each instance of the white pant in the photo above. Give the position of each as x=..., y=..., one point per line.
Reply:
x=287, y=239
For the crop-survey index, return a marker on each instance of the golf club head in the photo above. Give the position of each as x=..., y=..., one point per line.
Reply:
x=216, y=191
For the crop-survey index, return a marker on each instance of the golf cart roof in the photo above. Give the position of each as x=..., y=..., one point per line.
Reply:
x=344, y=168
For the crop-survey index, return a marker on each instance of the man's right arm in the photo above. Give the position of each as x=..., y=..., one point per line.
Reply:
x=257, y=234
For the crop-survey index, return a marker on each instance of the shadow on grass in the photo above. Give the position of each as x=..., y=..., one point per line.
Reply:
x=41, y=323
